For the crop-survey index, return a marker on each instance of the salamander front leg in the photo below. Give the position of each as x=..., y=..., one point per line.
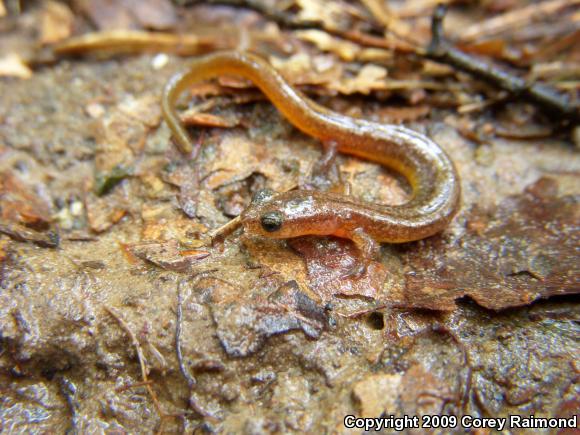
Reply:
x=368, y=249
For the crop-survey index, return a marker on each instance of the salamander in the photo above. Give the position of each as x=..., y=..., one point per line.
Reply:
x=428, y=169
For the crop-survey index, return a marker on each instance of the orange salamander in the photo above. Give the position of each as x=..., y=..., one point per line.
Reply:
x=426, y=166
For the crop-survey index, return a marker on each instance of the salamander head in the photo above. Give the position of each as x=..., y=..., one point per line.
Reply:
x=278, y=216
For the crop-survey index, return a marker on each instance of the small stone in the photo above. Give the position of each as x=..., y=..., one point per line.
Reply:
x=160, y=61
x=76, y=208
x=95, y=110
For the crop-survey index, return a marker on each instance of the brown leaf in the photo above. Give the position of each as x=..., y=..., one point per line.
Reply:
x=192, y=117
x=346, y=50
x=49, y=239
x=524, y=250
x=23, y=203
x=108, y=15
x=167, y=255
x=56, y=22
x=153, y=14
x=121, y=137
x=187, y=178
x=328, y=260
x=302, y=69
x=236, y=161
x=146, y=109
x=104, y=212
x=130, y=14
x=369, y=78
x=397, y=115
x=163, y=223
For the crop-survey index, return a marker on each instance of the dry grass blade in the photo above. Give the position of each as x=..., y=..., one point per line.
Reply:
x=145, y=380
x=131, y=41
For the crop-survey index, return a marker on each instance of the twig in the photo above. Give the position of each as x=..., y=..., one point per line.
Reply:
x=360, y=313
x=191, y=382
x=130, y=386
x=545, y=96
x=140, y=356
x=69, y=390
x=186, y=374
x=225, y=230
x=374, y=39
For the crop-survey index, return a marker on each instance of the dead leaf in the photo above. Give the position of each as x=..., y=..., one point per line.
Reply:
x=243, y=326
x=514, y=18
x=345, y=50
x=192, y=117
x=397, y=115
x=56, y=22
x=302, y=69
x=167, y=255
x=331, y=13
x=370, y=77
x=48, y=239
x=12, y=65
x=187, y=178
x=328, y=260
x=153, y=14
x=524, y=250
x=163, y=223
x=121, y=136
x=130, y=14
x=22, y=203
x=237, y=160
x=104, y=212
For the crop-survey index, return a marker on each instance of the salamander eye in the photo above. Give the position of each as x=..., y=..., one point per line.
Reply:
x=262, y=195
x=272, y=221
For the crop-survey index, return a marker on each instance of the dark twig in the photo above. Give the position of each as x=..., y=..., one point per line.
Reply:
x=191, y=382
x=163, y=416
x=545, y=96
x=184, y=371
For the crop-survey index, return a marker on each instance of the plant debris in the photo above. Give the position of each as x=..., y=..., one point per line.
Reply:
x=243, y=328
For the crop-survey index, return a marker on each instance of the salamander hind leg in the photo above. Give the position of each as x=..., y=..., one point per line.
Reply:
x=368, y=249
x=325, y=174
